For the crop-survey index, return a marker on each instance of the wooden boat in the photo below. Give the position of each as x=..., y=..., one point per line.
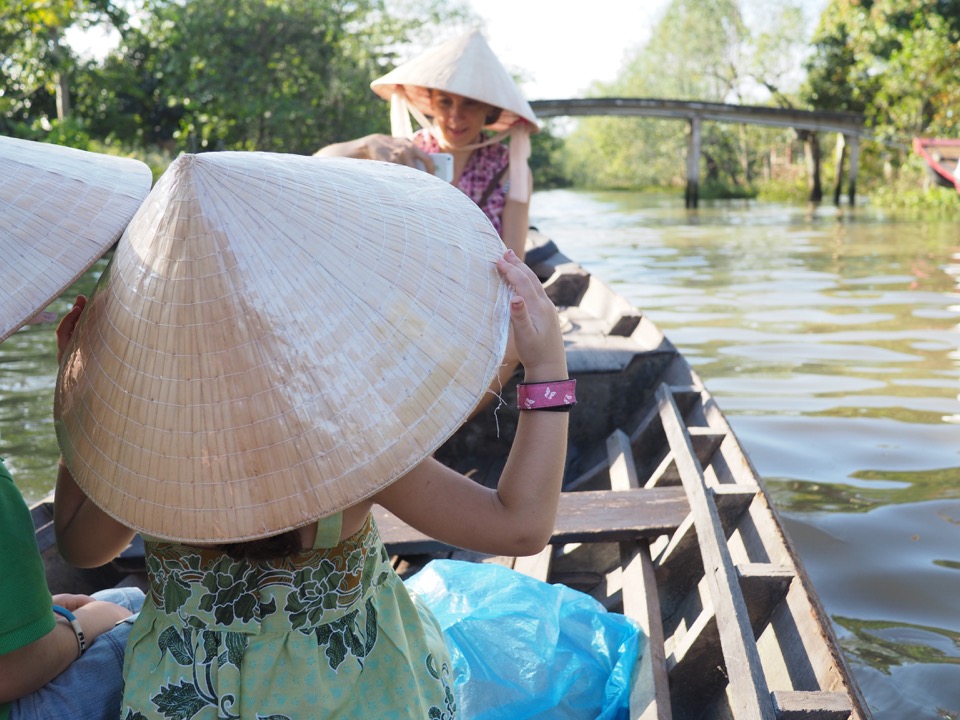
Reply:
x=664, y=519
x=943, y=160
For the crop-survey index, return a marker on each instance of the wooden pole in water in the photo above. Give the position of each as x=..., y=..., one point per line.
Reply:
x=839, y=155
x=693, y=163
x=812, y=155
x=854, y=142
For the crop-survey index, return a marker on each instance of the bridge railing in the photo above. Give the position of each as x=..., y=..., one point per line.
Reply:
x=849, y=126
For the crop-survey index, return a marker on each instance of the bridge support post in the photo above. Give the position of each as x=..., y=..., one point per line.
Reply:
x=839, y=157
x=854, y=142
x=693, y=163
x=811, y=144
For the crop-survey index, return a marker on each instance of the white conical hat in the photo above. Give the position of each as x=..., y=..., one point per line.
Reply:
x=464, y=65
x=276, y=338
x=60, y=210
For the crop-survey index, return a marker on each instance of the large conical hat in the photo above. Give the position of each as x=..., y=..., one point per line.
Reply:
x=60, y=210
x=276, y=338
x=464, y=65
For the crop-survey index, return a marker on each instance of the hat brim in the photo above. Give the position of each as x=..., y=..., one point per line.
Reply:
x=465, y=66
x=60, y=210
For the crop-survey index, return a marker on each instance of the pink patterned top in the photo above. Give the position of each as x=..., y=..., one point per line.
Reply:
x=482, y=166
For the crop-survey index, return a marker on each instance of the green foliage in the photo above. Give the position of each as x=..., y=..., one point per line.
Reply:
x=275, y=75
x=692, y=53
x=894, y=60
x=546, y=162
x=36, y=65
x=910, y=189
x=71, y=132
x=192, y=75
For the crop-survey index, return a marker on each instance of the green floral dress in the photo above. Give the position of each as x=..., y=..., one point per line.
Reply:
x=326, y=633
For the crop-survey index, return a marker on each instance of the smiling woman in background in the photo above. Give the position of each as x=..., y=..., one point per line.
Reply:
x=465, y=89
x=456, y=91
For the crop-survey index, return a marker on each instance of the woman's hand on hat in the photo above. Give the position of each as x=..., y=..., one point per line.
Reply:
x=67, y=326
x=535, y=323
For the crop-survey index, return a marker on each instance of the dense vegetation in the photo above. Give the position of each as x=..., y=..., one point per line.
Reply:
x=193, y=75
x=292, y=75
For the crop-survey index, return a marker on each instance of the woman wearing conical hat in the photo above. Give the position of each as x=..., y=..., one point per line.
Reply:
x=60, y=210
x=279, y=344
x=457, y=91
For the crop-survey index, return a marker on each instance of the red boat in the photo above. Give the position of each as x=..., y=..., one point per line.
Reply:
x=943, y=160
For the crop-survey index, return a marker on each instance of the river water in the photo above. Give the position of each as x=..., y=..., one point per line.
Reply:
x=829, y=339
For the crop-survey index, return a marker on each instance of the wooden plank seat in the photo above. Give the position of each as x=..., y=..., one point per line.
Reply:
x=590, y=516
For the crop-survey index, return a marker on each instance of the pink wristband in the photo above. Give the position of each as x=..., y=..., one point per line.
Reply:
x=557, y=395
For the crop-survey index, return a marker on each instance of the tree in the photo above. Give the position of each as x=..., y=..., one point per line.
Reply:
x=276, y=75
x=36, y=64
x=697, y=51
x=893, y=60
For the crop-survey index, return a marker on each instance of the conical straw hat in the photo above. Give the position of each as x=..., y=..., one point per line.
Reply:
x=464, y=65
x=276, y=338
x=60, y=210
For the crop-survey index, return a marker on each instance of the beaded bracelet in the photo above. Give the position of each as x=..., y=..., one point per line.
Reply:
x=75, y=624
x=556, y=396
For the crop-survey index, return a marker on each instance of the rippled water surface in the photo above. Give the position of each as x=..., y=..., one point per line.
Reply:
x=829, y=339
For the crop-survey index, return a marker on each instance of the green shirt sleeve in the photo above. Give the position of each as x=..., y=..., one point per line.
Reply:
x=25, y=601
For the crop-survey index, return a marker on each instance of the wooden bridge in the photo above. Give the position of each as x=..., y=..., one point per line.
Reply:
x=848, y=126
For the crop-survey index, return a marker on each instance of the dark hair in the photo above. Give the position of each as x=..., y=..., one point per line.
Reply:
x=493, y=116
x=268, y=548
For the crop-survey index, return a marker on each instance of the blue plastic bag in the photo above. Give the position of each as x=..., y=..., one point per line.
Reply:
x=521, y=648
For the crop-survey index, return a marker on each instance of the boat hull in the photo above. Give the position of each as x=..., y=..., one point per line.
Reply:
x=942, y=158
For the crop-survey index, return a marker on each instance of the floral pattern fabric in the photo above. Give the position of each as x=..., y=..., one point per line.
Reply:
x=326, y=633
x=482, y=166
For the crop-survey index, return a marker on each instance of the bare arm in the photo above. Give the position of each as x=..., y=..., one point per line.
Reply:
x=29, y=668
x=86, y=536
x=517, y=518
x=380, y=147
x=515, y=227
x=516, y=223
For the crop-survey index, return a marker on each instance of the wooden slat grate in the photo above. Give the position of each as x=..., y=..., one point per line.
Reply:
x=750, y=697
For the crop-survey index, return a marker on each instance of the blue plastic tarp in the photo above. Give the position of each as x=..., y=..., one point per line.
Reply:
x=521, y=648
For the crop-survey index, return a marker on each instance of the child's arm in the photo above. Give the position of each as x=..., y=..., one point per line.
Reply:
x=380, y=147
x=29, y=668
x=86, y=536
x=518, y=517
